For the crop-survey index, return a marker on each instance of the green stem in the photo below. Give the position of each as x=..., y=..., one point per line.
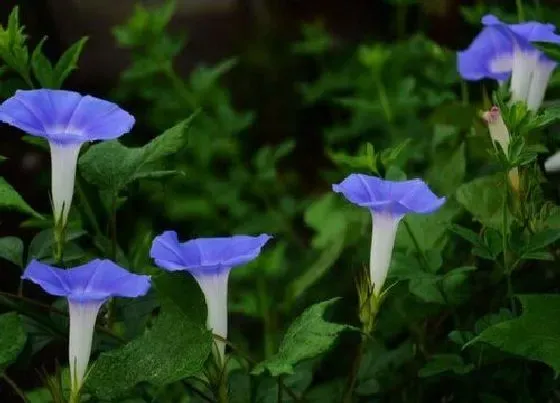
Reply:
x=520, y=12
x=14, y=386
x=179, y=84
x=87, y=209
x=464, y=93
x=253, y=362
x=279, y=397
x=353, y=376
x=269, y=345
x=423, y=259
x=505, y=235
x=384, y=100
x=223, y=392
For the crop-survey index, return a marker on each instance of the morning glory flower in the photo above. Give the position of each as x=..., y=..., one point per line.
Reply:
x=502, y=51
x=86, y=288
x=388, y=203
x=209, y=260
x=67, y=120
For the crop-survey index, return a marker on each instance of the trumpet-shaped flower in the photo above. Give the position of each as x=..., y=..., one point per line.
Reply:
x=209, y=260
x=67, y=120
x=86, y=288
x=502, y=51
x=388, y=203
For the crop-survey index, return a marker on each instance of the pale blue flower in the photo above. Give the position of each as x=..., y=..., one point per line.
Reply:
x=86, y=288
x=209, y=260
x=67, y=120
x=388, y=202
x=502, y=51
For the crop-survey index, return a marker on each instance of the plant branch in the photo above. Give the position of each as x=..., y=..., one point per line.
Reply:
x=14, y=386
x=253, y=362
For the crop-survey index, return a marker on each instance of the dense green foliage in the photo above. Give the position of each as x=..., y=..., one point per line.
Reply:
x=471, y=312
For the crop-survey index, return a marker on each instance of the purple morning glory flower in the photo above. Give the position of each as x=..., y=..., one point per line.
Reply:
x=503, y=50
x=67, y=120
x=209, y=260
x=86, y=288
x=388, y=203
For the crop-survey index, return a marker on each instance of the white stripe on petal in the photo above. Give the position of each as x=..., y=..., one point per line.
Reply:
x=383, y=233
x=539, y=81
x=524, y=64
x=82, y=322
x=64, y=159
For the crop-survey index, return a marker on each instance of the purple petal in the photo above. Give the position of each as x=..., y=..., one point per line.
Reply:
x=490, y=55
x=398, y=198
x=65, y=117
x=50, y=279
x=94, y=281
x=205, y=256
x=167, y=252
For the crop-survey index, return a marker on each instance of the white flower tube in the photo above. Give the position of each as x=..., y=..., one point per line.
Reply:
x=383, y=233
x=524, y=63
x=82, y=322
x=64, y=159
x=539, y=81
x=215, y=290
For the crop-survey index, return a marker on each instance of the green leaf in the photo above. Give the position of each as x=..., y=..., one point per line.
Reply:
x=449, y=288
x=448, y=171
x=11, y=249
x=173, y=286
x=42, y=68
x=68, y=62
x=484, y=199
x=540, y=240
x=12, y=201
x=175, y=348
x=12, y=339
x=308, y=336
x=112, y=166
x=534, y=335
x=440, y=363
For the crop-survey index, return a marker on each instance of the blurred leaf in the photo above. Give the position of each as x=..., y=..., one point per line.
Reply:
x=12, y=339
x=42, y=68
x=448, y=171
x=172, y=287
x=12, y=201
x=307, y=337
x=68, y=62
x=533, y=335
x=112, y=166
x=484, y=199
x=11, y=249
x=450, y=288
x=440, y=363
x=318, y=269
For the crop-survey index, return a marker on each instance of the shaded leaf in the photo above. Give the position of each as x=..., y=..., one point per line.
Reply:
x=533, y=335
x=11, y=249
x=309, y=336
x=12, y=201
x=12, y=339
